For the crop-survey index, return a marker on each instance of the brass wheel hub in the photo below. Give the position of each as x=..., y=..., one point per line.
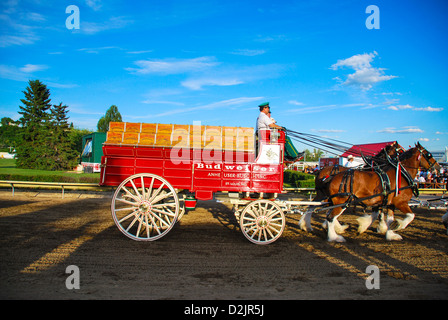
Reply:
x=262, y=222
x=144, y=207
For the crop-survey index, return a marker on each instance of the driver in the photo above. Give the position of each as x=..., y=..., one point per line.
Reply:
x=263, y=120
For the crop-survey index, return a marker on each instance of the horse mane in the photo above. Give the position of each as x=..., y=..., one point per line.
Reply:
x=407, y=154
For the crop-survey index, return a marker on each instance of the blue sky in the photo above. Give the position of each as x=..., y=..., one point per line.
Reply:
x=322, y=70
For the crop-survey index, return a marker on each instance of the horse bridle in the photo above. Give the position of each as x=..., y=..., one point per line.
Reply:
x=427, y=155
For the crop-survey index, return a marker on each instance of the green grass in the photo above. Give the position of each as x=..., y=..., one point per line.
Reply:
x=9, y=171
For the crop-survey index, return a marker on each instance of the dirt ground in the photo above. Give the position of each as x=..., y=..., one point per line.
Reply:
x=205, y=256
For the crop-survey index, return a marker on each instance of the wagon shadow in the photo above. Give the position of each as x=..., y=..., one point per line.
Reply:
x=225, y=216
x=12, y=203
x=40, y=232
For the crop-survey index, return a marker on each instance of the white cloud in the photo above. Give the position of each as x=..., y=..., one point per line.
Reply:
x=98, y=49
x=16, y=30
x=61, y=85
x=409, y=129
x=19, y=74
x=94, y=4
x=296, y=103
x=325, y=108
x=356, y=62
x=149, y=101
x=34, y=16
x=205, y=71
x=111, y=24
x=365, y=75
x=314, y=109
x=330, y=130
x=199, y=83
x=248, y=52
x=391, y=101
x=26, y=72
x=400, y=107
x=232, y=75
x=430, y=109
x=29, y=68
x=140, y=51
x=173, y=66
x=409, y=107
x=391, y=93
x=13, y=40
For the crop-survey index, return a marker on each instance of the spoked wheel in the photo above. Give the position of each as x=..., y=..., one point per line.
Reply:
x=262, y=221
x=145, y=207
x=182, y=209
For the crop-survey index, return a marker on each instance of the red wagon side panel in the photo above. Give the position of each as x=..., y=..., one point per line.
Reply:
x=203, y=171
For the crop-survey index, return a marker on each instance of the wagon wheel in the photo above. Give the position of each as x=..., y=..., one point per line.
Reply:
x=262, y=221
x=145, y=207
x=182, y=209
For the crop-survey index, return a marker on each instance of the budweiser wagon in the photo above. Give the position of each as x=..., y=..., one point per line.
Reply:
x=161, y=170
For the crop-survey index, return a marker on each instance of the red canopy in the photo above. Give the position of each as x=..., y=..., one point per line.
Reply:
x=369, y=149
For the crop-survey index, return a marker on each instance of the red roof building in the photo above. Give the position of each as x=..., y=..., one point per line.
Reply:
x=369, y=149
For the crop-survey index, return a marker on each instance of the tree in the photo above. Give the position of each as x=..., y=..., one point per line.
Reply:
x=31, y=151
x=112, y=115
x=62, y=155
x=313, y=156
x=76, y=139
x=9, y=134
x=45, y=141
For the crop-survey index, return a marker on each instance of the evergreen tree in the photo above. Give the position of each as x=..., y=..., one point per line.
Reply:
x=62, y=154
x=9, y=134
x=112, y=115
x=32, y=149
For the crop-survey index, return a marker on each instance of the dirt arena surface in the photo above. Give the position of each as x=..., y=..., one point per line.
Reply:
x=205, y=256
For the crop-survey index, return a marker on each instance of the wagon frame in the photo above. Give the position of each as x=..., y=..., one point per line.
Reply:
x=160, y=171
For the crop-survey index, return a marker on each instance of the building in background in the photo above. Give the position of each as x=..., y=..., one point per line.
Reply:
x=92, y=151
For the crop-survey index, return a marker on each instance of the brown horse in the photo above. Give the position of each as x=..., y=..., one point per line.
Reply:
x=326, y=174
x=367, y=187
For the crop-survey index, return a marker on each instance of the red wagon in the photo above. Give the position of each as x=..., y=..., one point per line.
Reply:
x=161, y=170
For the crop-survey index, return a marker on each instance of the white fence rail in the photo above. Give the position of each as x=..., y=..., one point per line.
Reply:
x=51, y=185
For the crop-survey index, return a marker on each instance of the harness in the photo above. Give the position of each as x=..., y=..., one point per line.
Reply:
x=346, y=188
x=346, y=185
x=405, y=174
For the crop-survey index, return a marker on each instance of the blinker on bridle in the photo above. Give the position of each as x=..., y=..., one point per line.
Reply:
x=427, y=155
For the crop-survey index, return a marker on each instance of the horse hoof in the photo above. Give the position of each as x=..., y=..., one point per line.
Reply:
x=337, y=239
x=304, y=227
x=364, y=223
x=342, y=228
x=392, y=236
